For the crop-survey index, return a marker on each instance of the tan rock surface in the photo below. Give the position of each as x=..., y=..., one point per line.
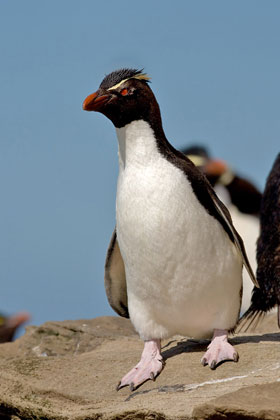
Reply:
x=69, y=370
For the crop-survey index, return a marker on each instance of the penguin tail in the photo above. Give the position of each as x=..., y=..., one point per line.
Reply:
x=262, y=301
x=250, y=320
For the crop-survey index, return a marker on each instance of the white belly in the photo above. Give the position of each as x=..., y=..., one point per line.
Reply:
x=183, y=273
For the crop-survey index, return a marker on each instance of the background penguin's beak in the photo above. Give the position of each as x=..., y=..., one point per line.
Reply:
x=215, y=167
x=94, y=102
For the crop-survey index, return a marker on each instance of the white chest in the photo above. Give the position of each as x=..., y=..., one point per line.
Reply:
x=159, y=219
x=153, y=196
x=171, y=247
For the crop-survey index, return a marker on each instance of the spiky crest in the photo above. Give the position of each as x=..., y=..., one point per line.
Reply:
x=116, y=78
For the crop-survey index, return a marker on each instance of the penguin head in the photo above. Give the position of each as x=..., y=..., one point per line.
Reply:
x=214, y=169
x=123, y=96
x=198, y=154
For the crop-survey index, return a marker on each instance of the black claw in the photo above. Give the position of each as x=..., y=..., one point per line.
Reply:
x=235, y=357
x=152, y=376
x=213, y=365
x=204, y=361
x=131, y=387
x=118, y=387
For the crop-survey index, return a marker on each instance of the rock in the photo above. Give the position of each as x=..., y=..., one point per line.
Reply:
x=69, y=370
x=254, y=402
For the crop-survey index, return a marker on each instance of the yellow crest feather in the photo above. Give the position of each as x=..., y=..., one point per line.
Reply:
x=141, y=76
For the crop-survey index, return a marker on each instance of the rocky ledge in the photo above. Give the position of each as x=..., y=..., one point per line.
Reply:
x=69, y=370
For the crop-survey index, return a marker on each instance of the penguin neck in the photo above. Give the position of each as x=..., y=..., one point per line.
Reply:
x=138, y=143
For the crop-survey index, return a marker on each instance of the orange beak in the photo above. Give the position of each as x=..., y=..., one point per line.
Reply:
x=215, y=167
x=94, y=102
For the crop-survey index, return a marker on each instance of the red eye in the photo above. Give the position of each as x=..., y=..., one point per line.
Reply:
x=124, y=92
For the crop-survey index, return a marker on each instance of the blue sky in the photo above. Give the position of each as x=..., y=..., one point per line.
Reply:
x=215, y=71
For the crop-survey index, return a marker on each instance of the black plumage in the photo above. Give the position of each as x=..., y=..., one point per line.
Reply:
x=268, y=250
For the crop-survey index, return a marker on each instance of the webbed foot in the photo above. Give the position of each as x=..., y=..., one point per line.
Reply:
x=219, y=350
x=149, y=367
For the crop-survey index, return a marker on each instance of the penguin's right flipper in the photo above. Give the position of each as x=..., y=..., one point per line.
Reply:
x=115, y=280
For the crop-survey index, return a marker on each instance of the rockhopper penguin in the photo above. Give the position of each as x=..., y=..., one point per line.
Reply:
x=174, y=264
x=267, y=296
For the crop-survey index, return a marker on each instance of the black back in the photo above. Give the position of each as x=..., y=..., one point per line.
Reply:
x=268, y=246
x=268, y=249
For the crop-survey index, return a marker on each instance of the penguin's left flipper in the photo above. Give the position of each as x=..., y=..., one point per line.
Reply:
x=213, y=205
x=238, y=242
x=216, y=208
x=115, y=280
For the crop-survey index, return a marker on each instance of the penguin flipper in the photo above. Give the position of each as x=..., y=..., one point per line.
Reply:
x=223, y=211
x=215, y=207
x=115, y=280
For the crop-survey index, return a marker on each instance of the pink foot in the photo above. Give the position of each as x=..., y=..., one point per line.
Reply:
x=149, y=367
x=219, y=350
